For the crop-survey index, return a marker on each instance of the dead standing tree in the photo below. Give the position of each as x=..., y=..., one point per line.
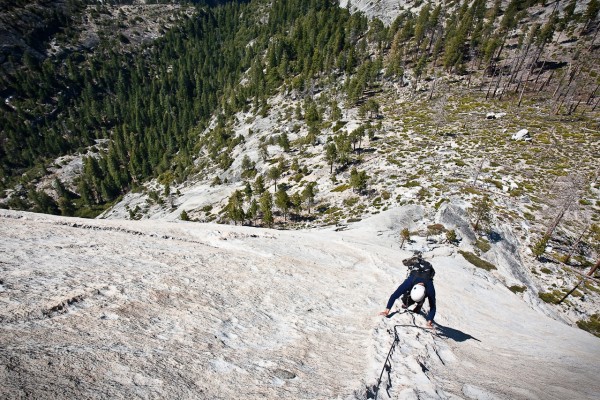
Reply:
x=595, y=241
x=568, y=193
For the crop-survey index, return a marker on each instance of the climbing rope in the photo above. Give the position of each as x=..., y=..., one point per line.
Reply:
x=373, y=393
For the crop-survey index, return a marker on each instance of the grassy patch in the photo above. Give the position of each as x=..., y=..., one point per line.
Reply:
x=351, y=201
x=517, y=289
x=551, y=297
x=341, y=188
x=412, y=184
x=592, y=325
x=483, y=245
x=439, y=203
x=476, y=261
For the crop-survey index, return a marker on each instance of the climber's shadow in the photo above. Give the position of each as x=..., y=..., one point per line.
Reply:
x=454, y=334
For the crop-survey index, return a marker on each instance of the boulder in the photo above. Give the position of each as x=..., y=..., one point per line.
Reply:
x=523, y=134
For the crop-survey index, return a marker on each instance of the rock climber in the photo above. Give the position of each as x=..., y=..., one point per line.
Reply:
x=417, y=286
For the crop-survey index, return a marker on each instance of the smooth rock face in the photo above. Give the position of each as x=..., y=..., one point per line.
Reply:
x=151, y=309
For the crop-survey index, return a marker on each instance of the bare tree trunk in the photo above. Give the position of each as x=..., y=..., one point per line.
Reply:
x=589, y=100
x=562, y=101
x=523, y=89
x=581, y=281
x=513, y=67
x=561, y=81
x=478, y=171
x=547, y=82
x=432, y=89
x=520, y=61
x=575, y=108
x=565, y=206
x=491, y=82
x=539, y=73
x=568, y=256
x=598, y=102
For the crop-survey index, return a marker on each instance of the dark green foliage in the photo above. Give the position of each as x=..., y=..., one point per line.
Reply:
x=331, y=155
x=43, y=203
x=481, y=212
x=309, y=193
x=184, y=216
x=153, y=104
x=149, y=102
x=282, y=201
x=358, y=180
x=540, y=246
x=252, y=212
x=234, y=207
x=266, y=207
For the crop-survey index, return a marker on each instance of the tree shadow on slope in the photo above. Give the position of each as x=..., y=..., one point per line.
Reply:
x=454, y=334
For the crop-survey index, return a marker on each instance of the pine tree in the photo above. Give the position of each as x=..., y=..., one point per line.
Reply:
x=184, y=216
x=274, y=174
x=252, y=212
x=248, y=191
x=296, y=203
x=309, y=193
x=259, y=185
x=284, y=142
x=235, y=212
x=481, y=212
x=282, y=201
x=266, y=207
x=358, y=180
x=330, y=155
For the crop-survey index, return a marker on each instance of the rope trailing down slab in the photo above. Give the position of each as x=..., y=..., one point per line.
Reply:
x=373, y=393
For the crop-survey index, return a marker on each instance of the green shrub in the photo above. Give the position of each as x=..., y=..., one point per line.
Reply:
x=351, y=201
x=517, y=289
x=341, y=188
x=435, y=229
x=546, y=270
x=439, y=203
x=451, y=236
x=412, y=184
x=551, y=297
x=483, y=245
x=592, y=325
x=540, y=246
x=476, y=261
x=494, y=182
x=529, y=216
x=184, y=216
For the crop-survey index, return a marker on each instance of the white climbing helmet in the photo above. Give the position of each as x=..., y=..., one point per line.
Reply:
x=417, y=293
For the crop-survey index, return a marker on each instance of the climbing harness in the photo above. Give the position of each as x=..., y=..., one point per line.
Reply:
x=373, y=392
